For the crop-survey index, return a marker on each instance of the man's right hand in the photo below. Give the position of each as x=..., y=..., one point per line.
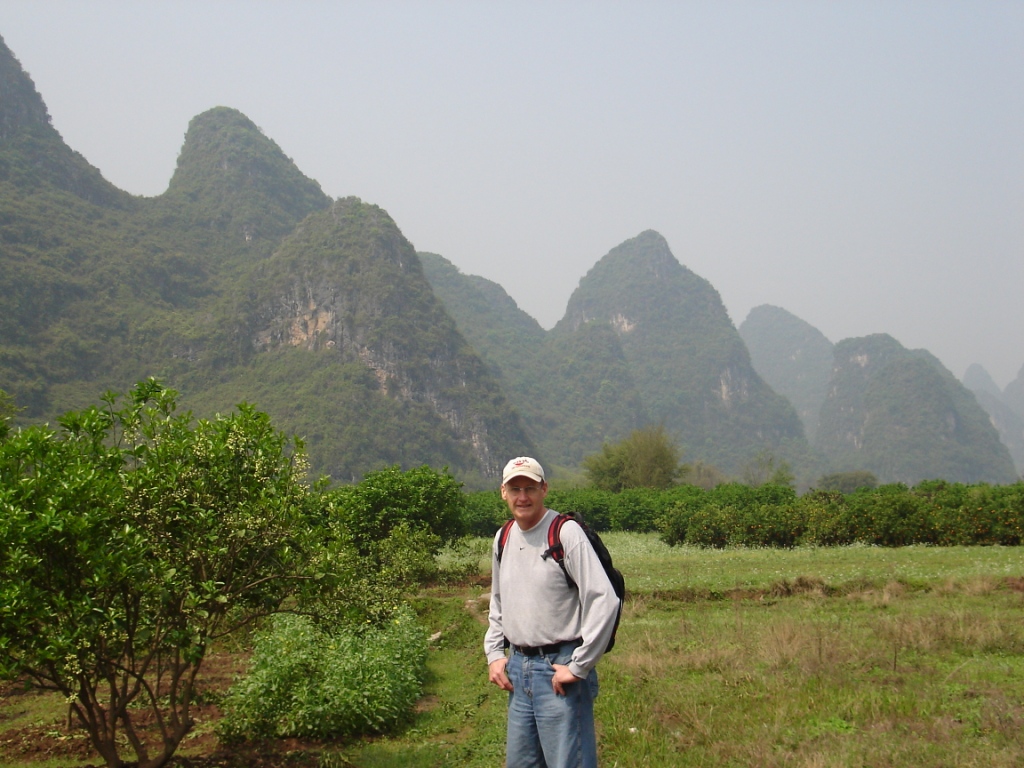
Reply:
x=498, y=676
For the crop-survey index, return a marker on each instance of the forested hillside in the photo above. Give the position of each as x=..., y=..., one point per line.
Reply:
x=1004, y=418
x=901, y=415
x=643, y=341
x=794, y=358
x=575, y=391
x=690, y=364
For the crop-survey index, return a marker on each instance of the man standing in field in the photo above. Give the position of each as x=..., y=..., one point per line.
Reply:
x=556, y=631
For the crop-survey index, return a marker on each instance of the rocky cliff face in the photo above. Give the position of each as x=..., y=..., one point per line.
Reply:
x=348, y=286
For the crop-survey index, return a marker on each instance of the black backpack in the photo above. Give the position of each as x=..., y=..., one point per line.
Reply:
x=557, y=553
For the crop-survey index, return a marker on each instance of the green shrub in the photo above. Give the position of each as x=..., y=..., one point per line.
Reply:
x=420, y=498
x=307, y=682
x=484, y=513
x=744, y=496
x=767, y=525
x=675, y=522
x=711, y=526
x=593, y=505
x=891, y=516
x=636, y=509
x=1007, y=504
x=826, y=519
x=847, y=482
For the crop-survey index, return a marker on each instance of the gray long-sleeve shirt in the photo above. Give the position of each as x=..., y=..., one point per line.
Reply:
x=532, y=604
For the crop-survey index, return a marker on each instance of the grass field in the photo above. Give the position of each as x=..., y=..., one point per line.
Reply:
x=856, y=656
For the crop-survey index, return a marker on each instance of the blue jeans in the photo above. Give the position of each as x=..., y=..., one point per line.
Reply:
x=546, y=730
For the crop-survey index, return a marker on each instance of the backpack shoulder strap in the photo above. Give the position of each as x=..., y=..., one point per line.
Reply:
x=506, y=529
x=555, y=549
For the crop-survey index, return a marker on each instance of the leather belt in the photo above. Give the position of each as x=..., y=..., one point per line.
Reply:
x=543, y=650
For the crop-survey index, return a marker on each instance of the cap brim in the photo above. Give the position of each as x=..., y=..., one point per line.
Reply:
x=530, y=475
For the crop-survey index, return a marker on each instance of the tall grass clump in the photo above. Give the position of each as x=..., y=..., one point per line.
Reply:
x=310, y=682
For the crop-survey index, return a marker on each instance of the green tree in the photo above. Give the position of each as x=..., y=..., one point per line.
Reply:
x=131, y=539
x=847, y=482
x=7, y=411
x=766, y=469
x=647, y=458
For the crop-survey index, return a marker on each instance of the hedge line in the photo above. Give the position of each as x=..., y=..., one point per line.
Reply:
x=935, y=512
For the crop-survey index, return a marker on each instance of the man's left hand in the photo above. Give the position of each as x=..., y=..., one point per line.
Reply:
x=561, y=678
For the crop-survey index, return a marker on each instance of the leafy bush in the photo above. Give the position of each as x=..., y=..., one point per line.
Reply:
x=767, y=525
x=485, y=512
x=637, y=509
x=826, y=519
x=710, y=526
x=593, y=505
x=133, y=537
x=675, y=522
x=648, y=458
x=890, y=516
x=847, y=482
x=305, y=681
x=422, y=498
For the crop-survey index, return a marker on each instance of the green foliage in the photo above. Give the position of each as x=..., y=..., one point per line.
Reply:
x=7, y=411
x=648, y=458
x=637, y=509
x=485, y=512
x=385, y=534
x=847, y=482
x=593, y=505
x=309, y=681
x=765, y=468
x=421, y=500
x=827, y=523
x=131, y=539
x=933, y=513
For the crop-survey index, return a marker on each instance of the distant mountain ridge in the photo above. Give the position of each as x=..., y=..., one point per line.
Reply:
x=643, y=341
x=875, y=406
x=244, y=281
x=1013, y=394
x=32, y=150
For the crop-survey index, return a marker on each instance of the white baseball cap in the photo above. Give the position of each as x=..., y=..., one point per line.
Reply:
x=523, y=466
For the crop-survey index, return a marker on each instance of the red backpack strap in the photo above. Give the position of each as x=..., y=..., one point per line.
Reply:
x=555, y=549
x=506, y=529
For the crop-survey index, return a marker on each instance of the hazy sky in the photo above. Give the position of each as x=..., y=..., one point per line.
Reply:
x=860, y=164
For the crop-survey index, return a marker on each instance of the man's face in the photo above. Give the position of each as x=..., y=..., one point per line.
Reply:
x=525, y=499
